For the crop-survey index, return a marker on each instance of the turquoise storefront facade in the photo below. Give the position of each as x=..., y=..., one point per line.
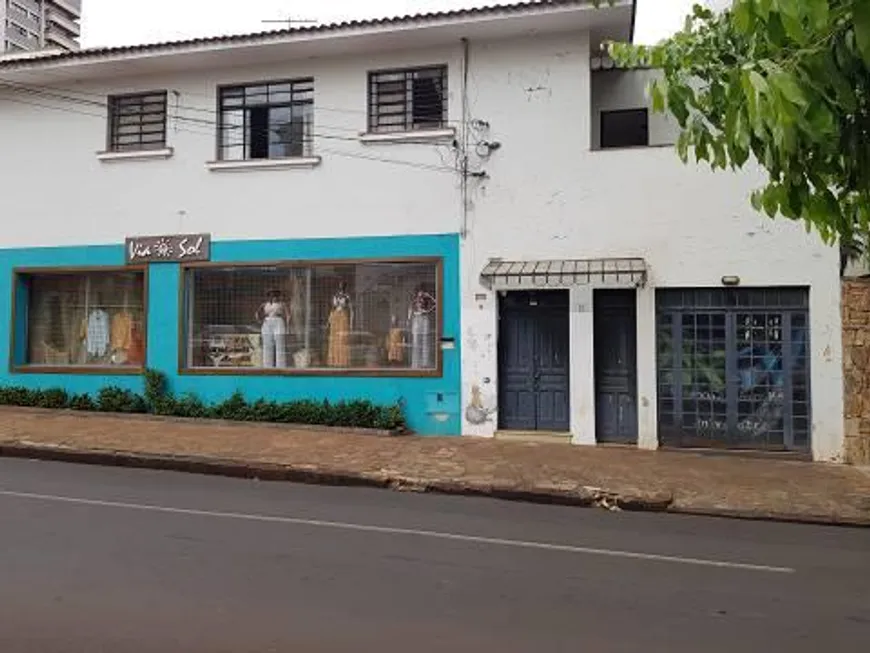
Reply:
x=431, y=403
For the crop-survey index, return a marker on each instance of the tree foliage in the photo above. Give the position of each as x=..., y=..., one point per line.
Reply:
x=786, y=82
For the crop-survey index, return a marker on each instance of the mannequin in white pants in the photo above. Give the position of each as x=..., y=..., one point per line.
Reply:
x=272, y=316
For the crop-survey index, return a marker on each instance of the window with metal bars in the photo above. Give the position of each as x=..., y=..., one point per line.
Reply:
x=137, y=121
x=271, y=120
x=84, y=318
x=375, y=316
x=408, y=100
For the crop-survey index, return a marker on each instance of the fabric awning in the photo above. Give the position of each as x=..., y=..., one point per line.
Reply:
x=619, y=272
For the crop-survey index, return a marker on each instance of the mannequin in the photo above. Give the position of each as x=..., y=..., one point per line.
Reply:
x=395, y=343
x=340, y=324
x=272, y=316
x=420, y=324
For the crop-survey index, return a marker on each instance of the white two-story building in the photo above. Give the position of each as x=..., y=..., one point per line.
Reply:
x=468, y=211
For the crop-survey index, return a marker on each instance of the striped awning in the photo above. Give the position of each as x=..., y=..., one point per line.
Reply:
x=620, y=272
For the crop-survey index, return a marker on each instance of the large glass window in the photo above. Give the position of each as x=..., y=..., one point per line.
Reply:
x=85, y=319
x=317, y=317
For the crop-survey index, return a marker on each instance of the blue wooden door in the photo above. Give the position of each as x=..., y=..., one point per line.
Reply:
x=534, y=361
x=615, y=366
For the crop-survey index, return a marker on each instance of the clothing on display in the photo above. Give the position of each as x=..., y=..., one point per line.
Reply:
x=422, y=334
x=97, y=333
x=122, y=327
x=338, y=347
x=395, y=345
x=273, y=332
x=136, y=350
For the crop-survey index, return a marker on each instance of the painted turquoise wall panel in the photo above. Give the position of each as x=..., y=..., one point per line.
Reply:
x=431, y=404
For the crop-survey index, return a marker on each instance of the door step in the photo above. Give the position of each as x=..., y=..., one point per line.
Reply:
x=561, y=437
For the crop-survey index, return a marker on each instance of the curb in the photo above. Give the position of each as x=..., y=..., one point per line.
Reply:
x=581, y=497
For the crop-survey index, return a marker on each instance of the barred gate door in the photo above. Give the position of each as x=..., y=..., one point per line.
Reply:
x=733, y=368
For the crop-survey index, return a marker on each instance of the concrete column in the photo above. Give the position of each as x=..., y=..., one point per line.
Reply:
x=647, y=388
x=582, y=366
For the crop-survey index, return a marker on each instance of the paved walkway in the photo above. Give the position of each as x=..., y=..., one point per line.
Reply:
x=609, y=477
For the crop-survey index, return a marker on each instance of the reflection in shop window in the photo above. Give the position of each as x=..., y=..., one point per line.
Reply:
x=372, y=316
x=86, y=319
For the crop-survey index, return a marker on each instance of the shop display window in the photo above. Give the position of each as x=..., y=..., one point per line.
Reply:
x=85, y=319
x=372, y=316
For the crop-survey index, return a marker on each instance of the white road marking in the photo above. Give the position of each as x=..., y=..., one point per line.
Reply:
x=390, y=530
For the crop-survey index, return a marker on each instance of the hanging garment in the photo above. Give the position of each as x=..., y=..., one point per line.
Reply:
x=274, y=350
x=395, y=349
x=122, y=326
x=136, y=351
x=421, y=341
x=338, y=348
x=98, y=333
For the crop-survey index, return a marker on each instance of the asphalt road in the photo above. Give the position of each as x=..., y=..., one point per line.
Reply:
x=117, y=560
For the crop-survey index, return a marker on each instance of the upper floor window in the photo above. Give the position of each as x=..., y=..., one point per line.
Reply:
x=137, y=121
x=408, y=100
x=271, y=120
x=624, y=128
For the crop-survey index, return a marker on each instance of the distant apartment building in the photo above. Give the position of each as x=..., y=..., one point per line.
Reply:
x=27, y=25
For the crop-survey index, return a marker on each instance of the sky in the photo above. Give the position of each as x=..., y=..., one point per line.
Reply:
x=128, y=22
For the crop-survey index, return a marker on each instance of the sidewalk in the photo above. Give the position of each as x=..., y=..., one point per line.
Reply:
x=762, y=488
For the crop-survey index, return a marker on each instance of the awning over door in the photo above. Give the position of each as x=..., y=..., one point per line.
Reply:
x=611, y=272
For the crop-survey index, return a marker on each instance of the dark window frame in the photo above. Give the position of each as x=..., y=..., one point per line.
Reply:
x=409, y=113
x=640, y=111
x=150, y=110
x=235, y=97
x=19, y=317
x=185, y=368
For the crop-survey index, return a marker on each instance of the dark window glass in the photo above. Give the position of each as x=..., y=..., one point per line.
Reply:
x=629, y=128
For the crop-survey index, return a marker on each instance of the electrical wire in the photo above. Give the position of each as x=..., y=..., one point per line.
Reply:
x=63, y=93
x=210, y=134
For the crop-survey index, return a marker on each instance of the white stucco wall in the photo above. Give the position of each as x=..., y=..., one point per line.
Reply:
x=60, y=193
x=548, y=196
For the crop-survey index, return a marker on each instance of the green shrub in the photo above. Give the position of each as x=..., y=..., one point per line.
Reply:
x=82, y=402
x=188, y=405
x=156, y=388
x=112, y=399
x=157, y=399
x=54, y=398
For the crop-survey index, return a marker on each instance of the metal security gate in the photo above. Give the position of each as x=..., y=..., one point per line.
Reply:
x=733, y=368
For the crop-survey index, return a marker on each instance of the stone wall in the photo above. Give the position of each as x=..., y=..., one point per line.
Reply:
x=856, y=369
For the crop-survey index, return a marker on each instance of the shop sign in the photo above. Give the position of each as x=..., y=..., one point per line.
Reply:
x=176, y=248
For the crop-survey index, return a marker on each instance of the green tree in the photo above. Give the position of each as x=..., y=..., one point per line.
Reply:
x=786, y=82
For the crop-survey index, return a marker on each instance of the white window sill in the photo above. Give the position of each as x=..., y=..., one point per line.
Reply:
x=263, y=164
x=136, y=155
x=423, y=135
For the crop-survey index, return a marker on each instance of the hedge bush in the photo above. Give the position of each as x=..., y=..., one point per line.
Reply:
x=158, y=400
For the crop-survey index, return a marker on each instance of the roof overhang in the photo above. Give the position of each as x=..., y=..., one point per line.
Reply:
x=608, y=21
x=499, y=274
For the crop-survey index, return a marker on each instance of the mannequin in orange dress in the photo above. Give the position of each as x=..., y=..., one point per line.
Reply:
x=340, y=323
